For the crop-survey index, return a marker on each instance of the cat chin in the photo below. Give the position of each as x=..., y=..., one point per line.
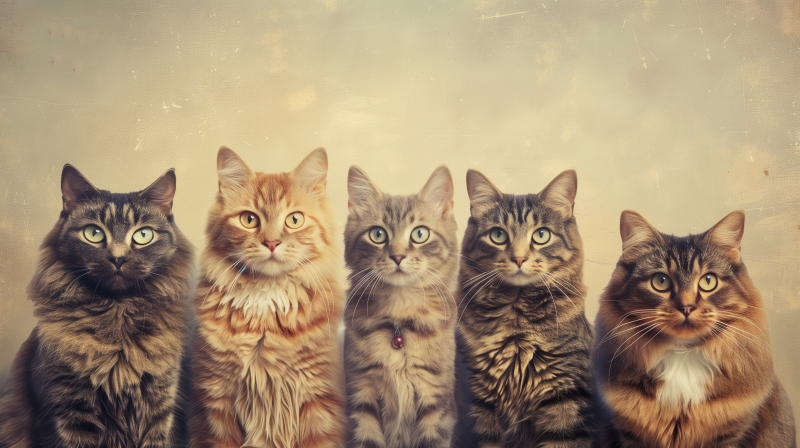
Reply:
x=518, y=279
x=398, y=278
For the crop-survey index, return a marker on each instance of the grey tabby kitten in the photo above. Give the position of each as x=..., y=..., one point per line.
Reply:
x=400, y=339
x=110, y=292
x=525, y=337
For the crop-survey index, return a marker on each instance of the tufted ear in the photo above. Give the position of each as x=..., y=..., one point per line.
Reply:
x=361, y=191
x=438, y=190
x=231, y=169
x=482, y=192
x=161, y=192
x=75, y=188
x=635, y=231
x=560, y=193
x=312, y=173
x=728, y=233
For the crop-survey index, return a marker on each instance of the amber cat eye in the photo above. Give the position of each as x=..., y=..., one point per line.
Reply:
x=708, y=282
x=249, y=220
x=661, y=282
x=295, y=220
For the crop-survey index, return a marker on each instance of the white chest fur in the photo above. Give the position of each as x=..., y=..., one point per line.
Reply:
x=685, y=373
x=260, y=298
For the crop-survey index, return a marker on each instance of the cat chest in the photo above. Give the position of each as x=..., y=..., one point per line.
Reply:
x=685, y=375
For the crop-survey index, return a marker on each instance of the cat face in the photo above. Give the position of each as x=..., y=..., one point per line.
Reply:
x=269, y=223
x=402, y=239
x=525, y=239
x=115, y=242
x=687, y=288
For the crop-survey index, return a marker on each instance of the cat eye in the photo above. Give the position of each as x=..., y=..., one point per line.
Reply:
x=143, y=236
x=661, y=282
x=94, y=234
x=377, y=235
x=295, y=220
x=249, y=220
x=498, y=235
x=541, y=236
x=708, y=282
x=420, y=234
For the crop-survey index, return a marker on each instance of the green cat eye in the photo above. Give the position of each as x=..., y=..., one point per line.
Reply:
x=94, y=234
x=541, y=236
x=708, y=282
x=249, y=220
x=143, y=236
x=661, y=282
x=377, y=235
x=498, y=235
x=420, y=234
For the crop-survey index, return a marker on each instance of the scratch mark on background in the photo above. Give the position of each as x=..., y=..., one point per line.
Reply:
x=497, y=16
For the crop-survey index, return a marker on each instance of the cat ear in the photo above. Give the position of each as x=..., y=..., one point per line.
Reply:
x=482, y=192
x=560, y=193
x=161, y=192
x=231, y=169
x=438, y=190
x=728, y=233
x=362, y=192
x=635, y=230
x=312, y=173
x=75, y=188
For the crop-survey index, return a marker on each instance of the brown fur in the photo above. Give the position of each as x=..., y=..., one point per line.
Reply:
x=272, y=376
x=742, y=403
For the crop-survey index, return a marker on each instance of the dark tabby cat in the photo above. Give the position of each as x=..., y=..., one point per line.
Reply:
x=683, y=357
x=400, y=338
x=524, y=335
x=110, y=293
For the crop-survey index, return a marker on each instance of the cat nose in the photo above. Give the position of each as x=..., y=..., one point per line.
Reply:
x=519, y=261
x=687, y=310
x=397, y=258
x=118, y=261
x=272, y=245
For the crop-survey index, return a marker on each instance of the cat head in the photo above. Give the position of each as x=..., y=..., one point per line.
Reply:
x=525, y=239
x=270, y=223
x=114, y=242
x=401, y=239
x=684, y=288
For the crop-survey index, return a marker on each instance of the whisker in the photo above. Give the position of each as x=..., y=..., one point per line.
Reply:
x=485, y=282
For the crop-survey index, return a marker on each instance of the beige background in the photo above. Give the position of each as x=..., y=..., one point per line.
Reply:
x=683, y=111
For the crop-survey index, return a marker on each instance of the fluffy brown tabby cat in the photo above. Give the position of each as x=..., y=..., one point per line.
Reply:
x=525, y=337
x=268, y=360
x=111, y=297
x=400, y=340
x=682, y=357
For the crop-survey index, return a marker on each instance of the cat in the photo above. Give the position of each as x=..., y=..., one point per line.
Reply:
x=400, y=337
x=682, y=357
x=268, y=366
x=111, y=295
x=523, y=332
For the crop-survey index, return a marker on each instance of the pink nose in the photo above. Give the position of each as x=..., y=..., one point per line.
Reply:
x=520, y=261
x=272, y=245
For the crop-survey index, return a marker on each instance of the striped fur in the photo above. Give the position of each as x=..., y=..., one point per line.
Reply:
x=686, y=367
x=401, y=397
x=524, y=334
x=101, y=367
x=267, y=366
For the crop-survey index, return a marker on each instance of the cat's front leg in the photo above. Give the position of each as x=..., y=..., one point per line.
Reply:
x=161, y=416
x=322, y=420
x=364, y=411
x=487, y=426
x=435, y=422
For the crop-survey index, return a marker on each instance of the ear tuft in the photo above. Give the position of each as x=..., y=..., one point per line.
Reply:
x=75, y=188
x=635, y=230
x=560, y=193
x=482, y=192
x=231, y=169
x=161, y=192
x=312, y=172
x=728, y=233
x=438, y=190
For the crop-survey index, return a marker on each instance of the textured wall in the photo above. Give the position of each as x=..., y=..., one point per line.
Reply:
x=683, y=111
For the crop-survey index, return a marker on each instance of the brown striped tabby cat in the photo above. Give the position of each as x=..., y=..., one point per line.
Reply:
x=525, y=337
x=400, y=341
x=267, y=359
x=682, y=357
x=110, y=293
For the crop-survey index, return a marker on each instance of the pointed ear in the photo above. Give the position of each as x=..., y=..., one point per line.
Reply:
x=75, y=188
x=560, y=193
x=161, y=192
x=635, y=230
x=231, y=169
x=438, y=190
x=362, y=192
x=482, y=192
x=312, y=173
x=728, y=233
